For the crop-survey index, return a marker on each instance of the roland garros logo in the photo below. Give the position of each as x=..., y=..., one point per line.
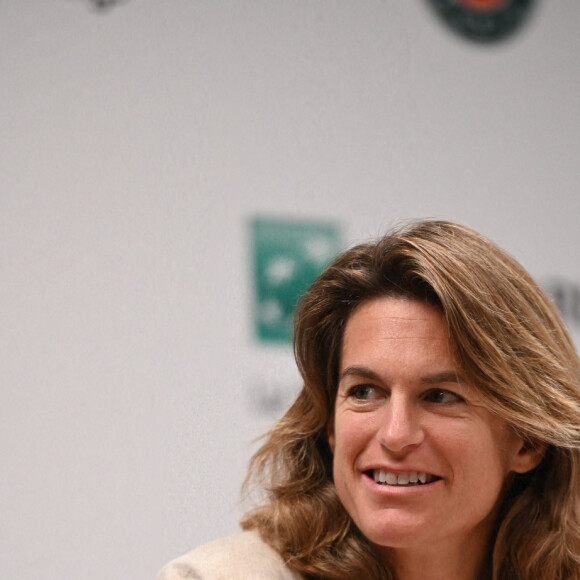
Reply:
x=483, y=20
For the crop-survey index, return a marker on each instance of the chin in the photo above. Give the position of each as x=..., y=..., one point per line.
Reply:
x=395, y=534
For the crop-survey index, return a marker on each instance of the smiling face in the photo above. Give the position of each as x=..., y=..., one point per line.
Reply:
x=418, y=459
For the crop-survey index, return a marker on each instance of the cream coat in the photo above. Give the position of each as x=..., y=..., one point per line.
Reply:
x=243, y=556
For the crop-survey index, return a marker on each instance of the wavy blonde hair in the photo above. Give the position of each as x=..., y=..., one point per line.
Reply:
x=512, y=345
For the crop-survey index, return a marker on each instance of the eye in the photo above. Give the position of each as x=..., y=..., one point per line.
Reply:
x=443, y=397
x=364, y=392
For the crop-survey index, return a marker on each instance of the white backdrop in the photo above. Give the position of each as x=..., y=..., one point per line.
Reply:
x=138, y=143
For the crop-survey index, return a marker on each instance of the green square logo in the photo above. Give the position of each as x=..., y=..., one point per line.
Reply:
x=288, y=256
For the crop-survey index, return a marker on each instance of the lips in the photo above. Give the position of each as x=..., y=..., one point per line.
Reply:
x=404, y=478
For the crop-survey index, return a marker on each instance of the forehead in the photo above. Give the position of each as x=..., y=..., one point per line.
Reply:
x=396, y=318
x=390, y=332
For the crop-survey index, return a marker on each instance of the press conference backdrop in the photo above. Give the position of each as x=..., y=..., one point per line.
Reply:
x=171, y=173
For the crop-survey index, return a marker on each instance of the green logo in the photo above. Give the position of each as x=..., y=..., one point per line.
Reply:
x=288, y=256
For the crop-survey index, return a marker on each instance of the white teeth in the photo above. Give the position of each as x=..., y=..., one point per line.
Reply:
x=410, y=478
x=403, y=479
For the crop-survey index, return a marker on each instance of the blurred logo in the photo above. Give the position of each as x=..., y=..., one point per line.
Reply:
x=483, y=20
x=288, y=256
x=566, y=297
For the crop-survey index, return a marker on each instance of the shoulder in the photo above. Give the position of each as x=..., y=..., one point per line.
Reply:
x=243, y=556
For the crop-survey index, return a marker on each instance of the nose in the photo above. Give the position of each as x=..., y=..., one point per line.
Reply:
x=401, y=428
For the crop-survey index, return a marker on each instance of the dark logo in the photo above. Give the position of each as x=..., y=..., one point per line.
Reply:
x=566, y=296
x=483, y=20
x=271, y=399
x=102, y=6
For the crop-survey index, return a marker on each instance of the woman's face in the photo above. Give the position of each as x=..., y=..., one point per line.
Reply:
x=418, y=458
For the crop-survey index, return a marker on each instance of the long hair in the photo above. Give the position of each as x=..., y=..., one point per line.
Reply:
x=511, y=344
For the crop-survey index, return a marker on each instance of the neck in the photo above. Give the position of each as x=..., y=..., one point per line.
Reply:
x=464, y=562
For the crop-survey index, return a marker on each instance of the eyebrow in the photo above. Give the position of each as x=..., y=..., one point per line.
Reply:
x=358, y=371
x=450, y=376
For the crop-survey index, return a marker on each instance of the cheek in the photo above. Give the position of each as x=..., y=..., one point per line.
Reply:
x=350, y=437
x=481, y=460
x=500, y=446
x=346, y=450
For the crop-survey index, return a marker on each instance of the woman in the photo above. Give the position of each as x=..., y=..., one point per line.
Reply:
x=437, y=435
